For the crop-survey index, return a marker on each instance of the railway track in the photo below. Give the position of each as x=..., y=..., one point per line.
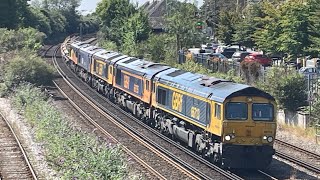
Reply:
x=14, y=163
x=299, y=156
x=180, y=155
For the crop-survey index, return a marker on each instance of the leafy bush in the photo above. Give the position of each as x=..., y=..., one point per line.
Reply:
x=73, y=154
x=27, y=67
x=19, y=39
x=27, y=94
x=198, y=68
x=108, y=45
x=287, y=86
x=250, y=71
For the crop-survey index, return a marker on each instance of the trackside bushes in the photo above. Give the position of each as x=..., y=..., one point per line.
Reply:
x=26, y=66
x=73, y=154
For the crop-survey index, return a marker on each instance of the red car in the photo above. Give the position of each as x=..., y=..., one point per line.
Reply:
x=260, y=58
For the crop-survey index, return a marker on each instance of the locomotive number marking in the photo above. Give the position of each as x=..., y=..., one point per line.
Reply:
x=195, y=113
x=99, y=68
x=136, y=88
x=177, y=101
x=126, y=80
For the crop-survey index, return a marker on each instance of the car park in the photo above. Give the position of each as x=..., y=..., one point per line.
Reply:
x=260, y=58
x=220, y=48
x=239, y=56
x=228, y=52
x=210, y=47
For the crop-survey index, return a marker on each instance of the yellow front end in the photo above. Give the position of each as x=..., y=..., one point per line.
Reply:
x=248, y=132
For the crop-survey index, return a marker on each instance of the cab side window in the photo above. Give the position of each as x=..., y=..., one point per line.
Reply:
x=162, y=96
x=217, y=111
x=147, y=85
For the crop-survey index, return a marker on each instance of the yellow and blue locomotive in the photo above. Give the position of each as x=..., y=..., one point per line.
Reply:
x=231, y=124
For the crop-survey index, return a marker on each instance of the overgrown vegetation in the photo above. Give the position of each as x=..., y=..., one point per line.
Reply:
x=25, y=66
x=55, y=18
x=24, y=38
x=73, y=154
x=287, y=86
x=276, y=27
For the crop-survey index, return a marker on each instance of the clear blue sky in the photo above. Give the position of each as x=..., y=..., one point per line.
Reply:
x=90, y=5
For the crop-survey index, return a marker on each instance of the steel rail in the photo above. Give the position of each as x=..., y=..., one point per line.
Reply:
x=311, y=154
x=298, y=162
x=24, y=154
x=131, y=132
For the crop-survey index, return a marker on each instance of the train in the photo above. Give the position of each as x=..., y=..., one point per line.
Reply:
x=232, y=125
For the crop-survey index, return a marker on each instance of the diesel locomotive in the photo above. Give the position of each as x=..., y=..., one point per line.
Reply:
x=233, y=125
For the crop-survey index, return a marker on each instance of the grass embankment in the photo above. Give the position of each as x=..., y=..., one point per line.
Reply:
x=308, y=133
x=71, y=153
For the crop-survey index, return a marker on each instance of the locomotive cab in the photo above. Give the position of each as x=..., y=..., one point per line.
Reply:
x=249, y=129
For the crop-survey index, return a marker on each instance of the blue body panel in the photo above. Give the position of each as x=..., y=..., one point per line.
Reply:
x=141, y=67
x=207, y=87
x=85, y=55
x=188, y=103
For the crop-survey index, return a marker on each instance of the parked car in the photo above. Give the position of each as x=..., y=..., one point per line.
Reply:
x=211, y=47
x=239, y=56
x=196, y=50
x=228, y=52
x=309, y=72
x=260, y=58
x=217, y=57
x=220, y=48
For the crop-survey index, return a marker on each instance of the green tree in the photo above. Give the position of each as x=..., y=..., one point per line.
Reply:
x=294, y=24
x=267, y=34
x=136, y=30
x=211, y=9
x=109, y=10
x=287, y=86
x=113, y=14
x=226, y=26
x=59, y=5
x=138, y=24
x=247, y=25
x=314, y=20
x=25, y=38
x=37, y=19
x=26, y=67
x=156, y=47
x=181, y=23
x=12, y=13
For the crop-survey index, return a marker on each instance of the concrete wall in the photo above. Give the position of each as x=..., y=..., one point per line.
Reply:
x=298, y=119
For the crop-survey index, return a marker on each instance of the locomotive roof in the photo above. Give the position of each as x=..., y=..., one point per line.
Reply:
x=80, y=44
x=141, y=67
x=208, y=87
x=90, y=49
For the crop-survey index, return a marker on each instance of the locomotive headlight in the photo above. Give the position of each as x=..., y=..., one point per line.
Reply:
x=227, y=137
x=270, y=139
x=264, y=137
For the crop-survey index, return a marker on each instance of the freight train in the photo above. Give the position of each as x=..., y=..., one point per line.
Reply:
x=230, y=124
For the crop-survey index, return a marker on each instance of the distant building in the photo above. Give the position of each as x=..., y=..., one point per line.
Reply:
x=156, y=10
